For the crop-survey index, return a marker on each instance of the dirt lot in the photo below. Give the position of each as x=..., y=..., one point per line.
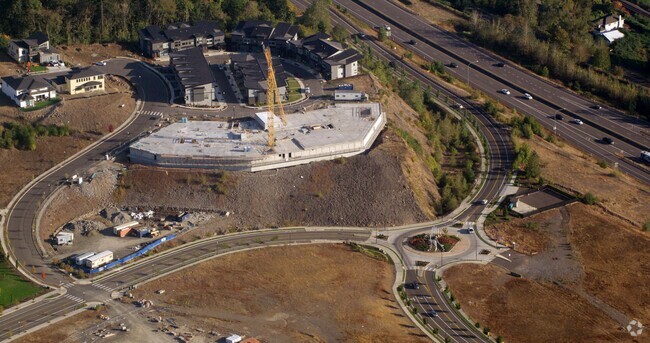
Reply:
x=316, y=293
x=597, y=259
x=614, y=255
x=619, y=193
x=521, y=310
x=434, y=14
x=84, y=55
x=8, y=66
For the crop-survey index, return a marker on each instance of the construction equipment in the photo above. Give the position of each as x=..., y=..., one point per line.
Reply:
x=272, y=98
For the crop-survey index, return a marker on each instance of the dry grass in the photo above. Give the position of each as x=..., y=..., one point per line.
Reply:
x=84, y=55
x=521, y=310
x=60, y=331
x=434, y=14
x=614, y=255
x=569, y=167
x=529, y=233
x=316, y=293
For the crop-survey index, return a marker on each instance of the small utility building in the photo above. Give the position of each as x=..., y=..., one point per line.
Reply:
x=194, y=75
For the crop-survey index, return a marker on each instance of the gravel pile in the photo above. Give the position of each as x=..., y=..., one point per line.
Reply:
x=115, y=215
x=84, y=227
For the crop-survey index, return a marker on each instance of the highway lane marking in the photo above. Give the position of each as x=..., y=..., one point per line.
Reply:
x=602, y=115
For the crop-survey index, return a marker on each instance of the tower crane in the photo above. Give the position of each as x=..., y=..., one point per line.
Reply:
x=272, y=98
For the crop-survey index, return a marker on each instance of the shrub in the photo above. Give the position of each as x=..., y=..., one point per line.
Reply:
x=646, y=226
x=589, y=199
x=477, y=324
x=602, y=164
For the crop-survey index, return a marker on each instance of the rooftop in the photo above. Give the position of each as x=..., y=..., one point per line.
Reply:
x=26, y=83
x=84, y=72
x=181, y=31
x=191, y=67
x=255, y=70
x=332, y=126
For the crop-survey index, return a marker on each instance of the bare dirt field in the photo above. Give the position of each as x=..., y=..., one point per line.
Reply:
x=619, y=193
x=315, y=293
x=8, y=66
x=580, y=251
x=521, y=310
x=88, y=54
x=614, y=255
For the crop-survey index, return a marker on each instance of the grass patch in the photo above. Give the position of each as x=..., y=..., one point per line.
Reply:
x=13, y=288
x=41, y=104
x=293, y=89
x=38, y=68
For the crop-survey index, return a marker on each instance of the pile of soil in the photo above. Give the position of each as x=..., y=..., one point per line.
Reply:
x=84, y=227
x=115, y=215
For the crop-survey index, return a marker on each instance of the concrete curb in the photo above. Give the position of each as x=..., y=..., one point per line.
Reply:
x=39, y=215
x=4, y=239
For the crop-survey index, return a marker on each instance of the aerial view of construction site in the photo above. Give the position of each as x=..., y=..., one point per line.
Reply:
x=324, y=171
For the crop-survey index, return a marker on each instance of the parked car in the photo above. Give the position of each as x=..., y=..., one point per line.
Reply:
x=453, y=65
x=607, y=140
x=528, y=96
x=577, y=121
x=505, y=91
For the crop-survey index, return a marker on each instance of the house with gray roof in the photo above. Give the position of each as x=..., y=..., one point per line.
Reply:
x=332, y=58
x=194, y=75
x=251, y=72
x=157, y=42
x=27, y=91
x=252, y=35
x=35, y=48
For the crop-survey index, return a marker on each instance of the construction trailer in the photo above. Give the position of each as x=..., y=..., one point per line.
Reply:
x=129, y=225
x=349, y=95
x=233, y=339
x=100, y=259
x=79, y=260
x=62, y=238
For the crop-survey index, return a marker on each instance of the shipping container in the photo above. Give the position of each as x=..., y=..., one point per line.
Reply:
x=124, y=232
x=140, y=232
x=79, y=260
x=129, y=225
x=99, y=259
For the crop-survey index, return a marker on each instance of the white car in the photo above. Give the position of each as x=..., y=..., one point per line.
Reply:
x=100, y=63
x=577, y=121
x=484, y=202
x=458, y=106
x=505, y=91
x=528, y=96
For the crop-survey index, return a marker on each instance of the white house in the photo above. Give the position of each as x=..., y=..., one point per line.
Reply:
x=608, y=26
x=27, y=91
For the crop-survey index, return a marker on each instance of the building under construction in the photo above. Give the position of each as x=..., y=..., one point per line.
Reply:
x=342, y=130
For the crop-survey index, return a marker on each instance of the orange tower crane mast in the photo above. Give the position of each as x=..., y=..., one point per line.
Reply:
x=272, y=98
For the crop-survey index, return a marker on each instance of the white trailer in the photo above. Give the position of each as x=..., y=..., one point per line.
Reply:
x=348, y=95
x=233, y=339
x=99, y=260
x=62, y=238
x=79, y=260
x=129, y=225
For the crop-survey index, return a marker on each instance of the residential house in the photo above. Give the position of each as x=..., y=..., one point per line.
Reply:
x=194, y=75
x=253, y=35
x=332, y=58
x=79, y=81
x=35, y=48
x=27, y=91
x=608, y=27
x=156, y=42
x=251, y=72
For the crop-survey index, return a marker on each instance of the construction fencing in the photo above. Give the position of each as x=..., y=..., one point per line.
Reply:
x=128, y=258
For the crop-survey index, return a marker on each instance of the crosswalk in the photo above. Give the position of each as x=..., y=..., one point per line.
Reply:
x=103, y=287
x=67, y=285
x=152, y=113
x=73, y=298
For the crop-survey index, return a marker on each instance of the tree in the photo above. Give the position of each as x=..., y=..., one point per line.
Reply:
x=601, y=58
x=317, y=16
x=339, y=33
x=533, y=168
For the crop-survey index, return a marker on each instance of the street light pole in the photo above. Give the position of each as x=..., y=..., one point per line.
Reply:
x=468, y=67
x=555, y=119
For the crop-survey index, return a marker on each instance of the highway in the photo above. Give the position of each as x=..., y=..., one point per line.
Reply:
x=630, y=135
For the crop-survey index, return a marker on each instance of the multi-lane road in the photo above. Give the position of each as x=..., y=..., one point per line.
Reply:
x=630, y=134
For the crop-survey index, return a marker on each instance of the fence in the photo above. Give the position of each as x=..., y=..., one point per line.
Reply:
x=128, y=258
